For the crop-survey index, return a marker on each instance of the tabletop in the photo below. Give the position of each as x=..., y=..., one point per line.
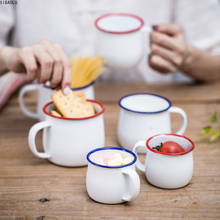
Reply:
x=34, y=189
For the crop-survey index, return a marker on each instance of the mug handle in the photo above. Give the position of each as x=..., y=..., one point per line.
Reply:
x=179, y=111
x=31, y=139
x=139, y=144
x=146, y=30
x=134, y=181
x=24, y=109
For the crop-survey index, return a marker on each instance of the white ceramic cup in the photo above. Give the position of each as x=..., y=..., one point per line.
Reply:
x=67, y=141
x=111, y=184
x=143, y=115
x=121, y=39
x=44, y=96
x=167, y=170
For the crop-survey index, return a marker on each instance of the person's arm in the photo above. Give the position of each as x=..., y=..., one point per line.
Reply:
x=171, y=53
x=45, y=60
x=3, y=67
x=201, y=65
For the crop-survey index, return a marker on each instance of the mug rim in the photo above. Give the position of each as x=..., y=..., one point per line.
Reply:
x=119, y=14
x=82, y=118
x=170, y=154
x=145, y=112
x=74, y=89
x=111, y=148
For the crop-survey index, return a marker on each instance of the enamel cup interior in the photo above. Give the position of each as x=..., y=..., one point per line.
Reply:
x=96, y=106
x=145, y=103
x=98, y=156
x=118, y=23
x=183, y=142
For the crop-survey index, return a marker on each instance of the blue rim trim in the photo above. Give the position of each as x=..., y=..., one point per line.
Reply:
x=111, y=148
x=152, y=94
x=75, y=89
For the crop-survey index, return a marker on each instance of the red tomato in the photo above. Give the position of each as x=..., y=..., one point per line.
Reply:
x=171, y=147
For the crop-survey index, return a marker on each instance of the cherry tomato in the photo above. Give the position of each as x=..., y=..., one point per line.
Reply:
x=171, y=147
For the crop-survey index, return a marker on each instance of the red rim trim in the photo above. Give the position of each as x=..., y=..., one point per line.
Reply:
x=170, y=154
x=119, y=14
x=89, y=100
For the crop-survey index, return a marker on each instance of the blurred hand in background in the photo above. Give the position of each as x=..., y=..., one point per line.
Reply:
x=168, y=47
x=171, y=53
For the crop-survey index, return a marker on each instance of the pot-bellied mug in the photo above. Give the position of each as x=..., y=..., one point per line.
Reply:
x=111, y=184
x=66, y=141
x=167, y=170
x=143, y=115
x=44, y=93
x=121, y=39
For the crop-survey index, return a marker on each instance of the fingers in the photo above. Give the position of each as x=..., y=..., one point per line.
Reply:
x=58, y=68
x=67, y=68
x=170, y=29
x=62, y=73
x=168, y=48
x=67, y=77
x=164, y=41
x=46, y=63
x=166, y=54
x=27, y=58
x=54, y=65
x=160, y=64
x=44, y=60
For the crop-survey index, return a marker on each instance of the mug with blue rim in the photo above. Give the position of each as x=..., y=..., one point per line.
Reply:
x=143, y=115
x=111, y=184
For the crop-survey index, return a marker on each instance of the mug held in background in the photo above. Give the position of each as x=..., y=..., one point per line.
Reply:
x=121, y=39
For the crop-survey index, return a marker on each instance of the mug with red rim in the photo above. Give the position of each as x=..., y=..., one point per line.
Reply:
x=166, y=170
x=121, y=39
x=66, y=141
x=44, y=93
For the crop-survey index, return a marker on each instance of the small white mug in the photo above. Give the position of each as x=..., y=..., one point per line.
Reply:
x=44, y=96
x=121, y=39
x=167, y=170
x=67, y=141
x=111, y=184
x=143, y=115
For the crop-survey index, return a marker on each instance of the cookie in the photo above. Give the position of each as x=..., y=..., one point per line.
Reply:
x=55, y=113
x=72, y=105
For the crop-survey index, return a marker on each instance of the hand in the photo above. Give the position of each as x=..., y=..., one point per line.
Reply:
x=169, y=48
x=44, y=60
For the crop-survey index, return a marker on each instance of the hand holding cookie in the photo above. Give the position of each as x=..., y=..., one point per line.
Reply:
x=45, y=60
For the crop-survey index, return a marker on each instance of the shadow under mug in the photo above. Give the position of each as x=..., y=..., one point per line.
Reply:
x=121, y=39
x=167, y=170
x=143, y=115
x=111, y=184
x=44, y=96
x=67, y=141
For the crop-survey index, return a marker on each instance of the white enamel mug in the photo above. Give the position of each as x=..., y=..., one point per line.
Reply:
x=111, y=184
x=67, y=141
x=167, y=170
x=44, y=96
x=143, y=115
x=121, y=39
